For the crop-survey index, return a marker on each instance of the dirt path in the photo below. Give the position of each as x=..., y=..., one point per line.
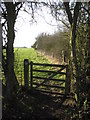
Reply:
x=37, y=106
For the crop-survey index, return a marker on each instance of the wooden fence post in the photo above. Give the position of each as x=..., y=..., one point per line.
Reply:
x=26, y=73
x=31, y=75
x=67, y=81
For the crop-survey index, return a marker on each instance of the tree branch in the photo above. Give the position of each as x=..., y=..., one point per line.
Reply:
x=66, y=4
x=76, y=12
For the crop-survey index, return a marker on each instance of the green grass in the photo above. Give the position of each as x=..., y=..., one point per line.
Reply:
x=29, y=53
x=25, y=53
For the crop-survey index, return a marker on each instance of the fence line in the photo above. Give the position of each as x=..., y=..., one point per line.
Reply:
x=34, y=81
x=43, y=83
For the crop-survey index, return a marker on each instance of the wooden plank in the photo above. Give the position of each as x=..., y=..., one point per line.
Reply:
x=46, y=85
x=31, y=75
x=26, y=73
x=67, y=81
x=58, y=72
x=52, y=65
x=53, y=79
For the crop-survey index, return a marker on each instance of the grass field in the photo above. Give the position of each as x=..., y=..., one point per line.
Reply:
x=19, y=55
x=26, y=53
x=29, y=53
x=32, y=55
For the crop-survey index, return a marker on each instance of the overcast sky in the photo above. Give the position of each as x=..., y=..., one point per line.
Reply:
x=26, y=31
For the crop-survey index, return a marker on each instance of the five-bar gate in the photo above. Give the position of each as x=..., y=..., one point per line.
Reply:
x=50, y=78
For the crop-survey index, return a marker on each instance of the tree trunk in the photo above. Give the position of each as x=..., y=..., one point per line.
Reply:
x=75, y=18
x=75, y=59
x=73, y=23
x=11, y=81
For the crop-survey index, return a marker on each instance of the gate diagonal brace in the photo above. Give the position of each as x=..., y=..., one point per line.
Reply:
x=50, y=77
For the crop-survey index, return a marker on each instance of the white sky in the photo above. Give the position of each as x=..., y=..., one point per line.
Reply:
x=26, y=32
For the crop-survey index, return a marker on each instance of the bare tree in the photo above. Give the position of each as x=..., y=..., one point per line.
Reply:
x=9, y=13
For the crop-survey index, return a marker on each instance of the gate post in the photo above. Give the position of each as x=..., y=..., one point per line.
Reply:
x=26, y=73
x=31, y=75
x=67, y=81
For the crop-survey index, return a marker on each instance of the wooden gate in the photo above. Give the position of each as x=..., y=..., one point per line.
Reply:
x=50, y=78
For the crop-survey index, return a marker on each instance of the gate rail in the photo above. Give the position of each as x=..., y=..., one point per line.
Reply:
x=61, y=70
